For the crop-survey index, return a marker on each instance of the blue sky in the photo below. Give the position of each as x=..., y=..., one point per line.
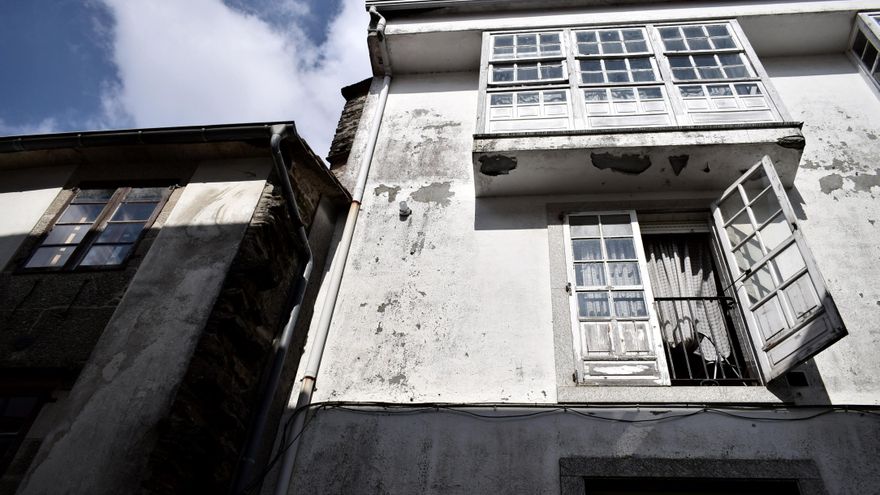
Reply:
x=105, y=64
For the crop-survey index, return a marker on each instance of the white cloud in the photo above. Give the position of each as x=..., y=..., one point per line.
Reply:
x=202, y=62
x=45, y=126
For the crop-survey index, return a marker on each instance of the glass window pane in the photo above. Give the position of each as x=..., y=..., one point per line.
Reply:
x=640, y=63
x=717, y=30
x=501, y=99
x=589, y=274
x=710, y=73
x=526, y=51
x=723, y=42
x=106, y=255
x=698, y=44
x=554, y=96
x=669, y=33
x=586, y=249
x=633, y=34
x=506, y=40
x=609, y=36
x=859, y=43
x=731, y=205
x=719, y=90
x=740, y=228
x=776, y=232
x=595, y=95
x=693, y=31
x=66, y=234
x=551, y=71
x=549, y=38
x=551, y=49
x=680, y=61
x=736, y=71
x=675, y=44
x=94, y=195
x=650, y=94
x=584, y=226
x=643, y=76
x=620, y=249
x=802, y=297
x=615, y=64
x=755, y=183
x=629, y=303
x=789, y=261
x=869, y=55
x=146, y=194
x=616, y=77
x=502, y=74
x=636, y=47
x=690, y=91
x=748, y=253
x=527, y=73
x=592, y=77
x=624, y=273
x=588, y=48
x=612, y=47
x=50, y=257
x=622, y=94
x=765, y=207
x=591, y=66
x=503, y=52
x=527, y=98
x=747, y=89
x=684, y=74
x=616, y=225
x=760, y=283
x=526, y=39
x=85, y=213
x=593, y=305
x=121, y=232
x=133, y=211
x=585, y=36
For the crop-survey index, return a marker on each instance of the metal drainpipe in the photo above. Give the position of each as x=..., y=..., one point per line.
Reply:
x=304, y=398
x=282, y=344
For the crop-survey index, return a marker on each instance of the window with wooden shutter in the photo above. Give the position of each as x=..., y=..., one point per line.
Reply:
x=788, y=310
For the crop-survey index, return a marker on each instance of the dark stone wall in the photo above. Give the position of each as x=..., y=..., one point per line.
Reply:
x=200, y=442
x=355, y=97
x=53, y=319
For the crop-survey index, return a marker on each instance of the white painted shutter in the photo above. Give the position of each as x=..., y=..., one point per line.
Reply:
x=789, y=313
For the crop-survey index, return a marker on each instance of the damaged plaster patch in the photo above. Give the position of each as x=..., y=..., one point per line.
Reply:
x=495, y=165
x=435, y=192
x=864, y=182
x=792, y=142
x=391, y=191
x=678, y=163
x=625, y=164
x=831, y=183
x=418, y=245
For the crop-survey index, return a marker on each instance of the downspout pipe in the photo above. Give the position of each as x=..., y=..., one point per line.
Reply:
x=282, y=487
x=247, y=462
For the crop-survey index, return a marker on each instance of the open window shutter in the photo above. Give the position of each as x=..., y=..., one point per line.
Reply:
x=789, y=312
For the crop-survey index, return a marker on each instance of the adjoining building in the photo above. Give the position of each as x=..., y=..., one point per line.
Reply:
x=603, y=247
x=149, y=277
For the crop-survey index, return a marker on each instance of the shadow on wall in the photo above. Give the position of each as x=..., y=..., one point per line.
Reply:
x=819, y=65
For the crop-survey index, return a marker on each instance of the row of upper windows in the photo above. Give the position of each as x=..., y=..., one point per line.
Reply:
x=866, y=45
x=689, y=74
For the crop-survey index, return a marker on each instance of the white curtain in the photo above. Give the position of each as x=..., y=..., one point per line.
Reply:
x=681, y=266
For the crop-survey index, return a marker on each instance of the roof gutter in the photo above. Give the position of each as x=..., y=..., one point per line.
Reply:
x=376, y=40
x=281, y=346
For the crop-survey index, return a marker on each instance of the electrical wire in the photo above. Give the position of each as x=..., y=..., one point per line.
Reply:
x=660, y=410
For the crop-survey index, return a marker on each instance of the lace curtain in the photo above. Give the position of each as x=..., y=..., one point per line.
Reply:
x=681, y=266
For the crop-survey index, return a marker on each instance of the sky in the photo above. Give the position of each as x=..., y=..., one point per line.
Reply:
x=72, y=65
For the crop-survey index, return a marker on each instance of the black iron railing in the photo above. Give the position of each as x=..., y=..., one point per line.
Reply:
x=701, y=346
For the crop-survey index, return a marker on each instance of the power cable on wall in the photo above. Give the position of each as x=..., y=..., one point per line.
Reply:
x=661, y=411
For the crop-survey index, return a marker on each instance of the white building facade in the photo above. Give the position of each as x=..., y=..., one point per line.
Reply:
x=637, y=254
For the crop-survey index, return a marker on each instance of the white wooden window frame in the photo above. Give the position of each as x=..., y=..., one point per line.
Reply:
x=868, y=25
x=658, y=358
x=802, y=335
x=515, y=66
x=538, y=54
x=542, y=106
x=600, y=44
x=656, y=53
x=712, y=101
x=629, y=71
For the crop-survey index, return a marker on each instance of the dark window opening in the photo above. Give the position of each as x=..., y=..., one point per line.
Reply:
x=695, y=315
x=98, y=228
x=689, y=486
x=17, y=412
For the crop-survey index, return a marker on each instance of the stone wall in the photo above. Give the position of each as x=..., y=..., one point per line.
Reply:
x=200, y=441
x=355, y=97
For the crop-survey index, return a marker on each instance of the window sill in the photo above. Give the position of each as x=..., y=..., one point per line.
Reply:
x=667, y=394
x=631, y=160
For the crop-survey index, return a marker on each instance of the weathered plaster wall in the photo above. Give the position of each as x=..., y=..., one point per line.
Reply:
x=27, y=192
x=140, y=359
x=452, y=453
x=837, y=197
x=432, y=300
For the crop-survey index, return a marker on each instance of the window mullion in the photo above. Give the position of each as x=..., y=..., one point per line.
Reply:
x=679, y=115
x=578, y=105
